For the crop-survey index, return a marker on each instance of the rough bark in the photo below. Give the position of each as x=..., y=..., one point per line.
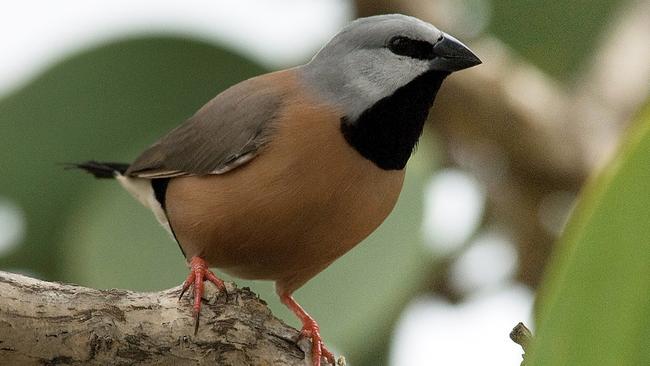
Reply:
x=46, y=323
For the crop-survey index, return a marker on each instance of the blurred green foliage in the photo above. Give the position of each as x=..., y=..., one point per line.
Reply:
x=558, y=36
x=595, y=307
x=101, y=104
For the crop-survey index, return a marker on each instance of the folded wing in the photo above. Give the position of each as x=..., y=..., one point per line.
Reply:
x=225, y=133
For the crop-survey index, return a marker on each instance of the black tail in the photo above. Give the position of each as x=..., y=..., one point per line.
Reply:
x=100, y=170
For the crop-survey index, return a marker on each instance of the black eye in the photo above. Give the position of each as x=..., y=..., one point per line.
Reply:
x=413, y=48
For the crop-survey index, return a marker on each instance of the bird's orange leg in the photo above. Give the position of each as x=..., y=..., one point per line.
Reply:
x=199, y=272
x=309, y=330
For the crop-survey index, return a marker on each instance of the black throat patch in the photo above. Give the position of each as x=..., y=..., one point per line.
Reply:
x=387, y=132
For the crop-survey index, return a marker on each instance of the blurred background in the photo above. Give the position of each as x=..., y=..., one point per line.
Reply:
x=487, y=194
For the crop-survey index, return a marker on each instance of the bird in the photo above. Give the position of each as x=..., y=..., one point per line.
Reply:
x=281, y=174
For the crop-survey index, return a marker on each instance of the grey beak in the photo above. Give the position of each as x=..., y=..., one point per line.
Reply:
x=452, y=55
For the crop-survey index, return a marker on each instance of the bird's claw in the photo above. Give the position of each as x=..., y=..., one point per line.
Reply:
x=199, y=272
x=318, y=350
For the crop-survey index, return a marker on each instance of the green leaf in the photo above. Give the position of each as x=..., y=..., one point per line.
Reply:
x=595, y=305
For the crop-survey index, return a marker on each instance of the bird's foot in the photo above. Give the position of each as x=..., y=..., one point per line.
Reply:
x=199, y=272
x=310, y=330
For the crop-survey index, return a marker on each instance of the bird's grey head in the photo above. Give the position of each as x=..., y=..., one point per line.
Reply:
x=372, y=57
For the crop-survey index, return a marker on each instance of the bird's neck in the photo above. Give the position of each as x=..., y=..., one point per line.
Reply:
x=387, y=132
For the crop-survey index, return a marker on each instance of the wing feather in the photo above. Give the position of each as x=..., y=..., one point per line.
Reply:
x=225, y=133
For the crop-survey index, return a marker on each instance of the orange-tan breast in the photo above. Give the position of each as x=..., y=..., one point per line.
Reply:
x=305, y=200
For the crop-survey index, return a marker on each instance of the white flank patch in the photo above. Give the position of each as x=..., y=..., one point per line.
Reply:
x=141, y=189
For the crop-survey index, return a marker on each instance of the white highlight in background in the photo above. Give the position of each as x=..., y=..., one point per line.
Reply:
x=12, y=226
x=432, y=331
x=36, y=33
x=489, y=262
x=453, y=208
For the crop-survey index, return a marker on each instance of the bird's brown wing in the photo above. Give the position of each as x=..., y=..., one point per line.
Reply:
x=225, y=133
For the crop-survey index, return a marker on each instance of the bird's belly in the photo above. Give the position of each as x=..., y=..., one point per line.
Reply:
x=304, y=201
x=277, y=227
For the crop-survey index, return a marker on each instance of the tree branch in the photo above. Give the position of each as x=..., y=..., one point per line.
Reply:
x=52, y=323
x=521, y=335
